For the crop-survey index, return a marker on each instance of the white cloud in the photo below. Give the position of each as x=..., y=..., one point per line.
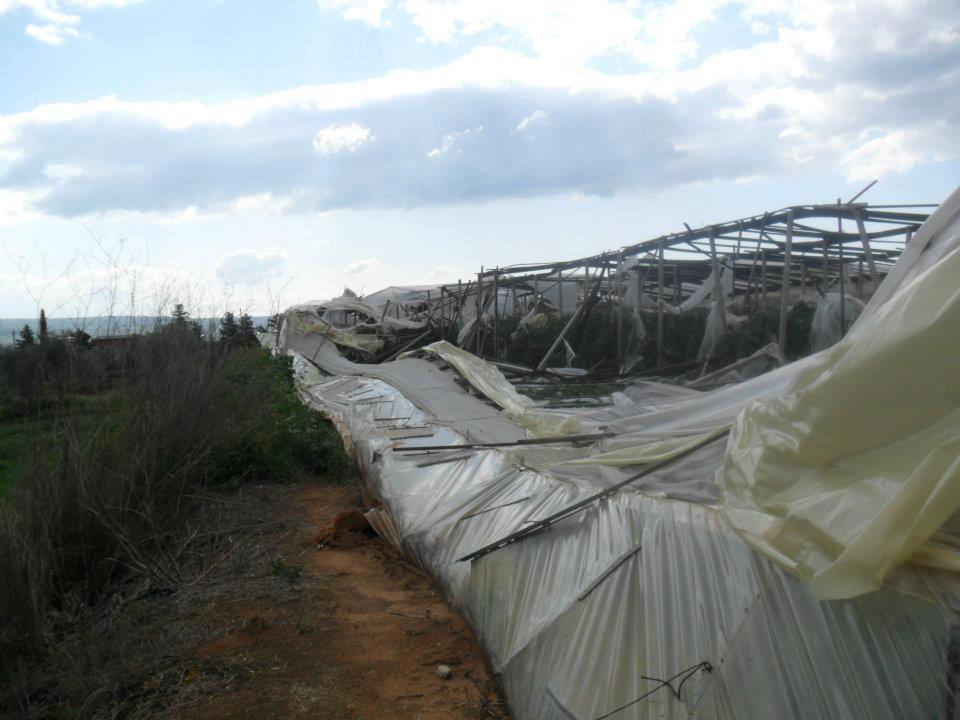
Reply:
x=535, y=116
x=51, y=34
x=60, y=24
x=365, y=11
x=16, y=206
x=443, y=274
x=896, y=152
x=574, y=30
x=252, y=267
x=570, y=31
x=342, y=138
x=361, y=267
x=449, y=141
x=846, y=89
x=260, y=204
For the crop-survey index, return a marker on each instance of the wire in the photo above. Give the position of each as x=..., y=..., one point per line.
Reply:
x=686, y=674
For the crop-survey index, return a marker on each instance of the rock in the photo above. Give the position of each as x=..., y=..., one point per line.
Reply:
x=444, y=672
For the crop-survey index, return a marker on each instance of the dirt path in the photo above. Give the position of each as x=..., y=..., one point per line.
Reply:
x=359, y=634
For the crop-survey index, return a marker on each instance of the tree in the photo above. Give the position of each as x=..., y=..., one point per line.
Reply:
x=274, y=322
x=228, y=328
x=181, y=318
x=26, y=337
x=80, y=339
x=246, y=335
x=42, y=334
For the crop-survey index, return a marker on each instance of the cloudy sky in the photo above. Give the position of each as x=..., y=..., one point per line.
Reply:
x=245, y=152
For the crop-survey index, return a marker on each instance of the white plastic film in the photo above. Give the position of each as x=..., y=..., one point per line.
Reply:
x=489, y=381
x=857, y=464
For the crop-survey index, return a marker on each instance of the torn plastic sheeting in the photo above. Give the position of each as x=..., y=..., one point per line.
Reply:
x=825, y=329
x=334, y=311
x=704, y=294
x=365, y=342
x=693, y=592
x=632, y=354
x=465, y=331
x=714, y=331
x=646, y=453
x=490, y=382
x=852, y=470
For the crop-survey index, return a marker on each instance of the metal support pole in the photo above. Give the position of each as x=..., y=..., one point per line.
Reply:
x=496, y=314
x=826, y=268
x=717, y=284
x=477, y=325
x=560, y=293
x=843, y=289
x=620, y=309
x=660, y=306
x=865, y=241
x=785, y=287
x=763, y=278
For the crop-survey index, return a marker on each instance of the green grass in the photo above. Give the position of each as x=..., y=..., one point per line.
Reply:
x=15, y=436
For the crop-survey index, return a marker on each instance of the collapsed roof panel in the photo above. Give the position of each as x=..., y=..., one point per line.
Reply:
x=784, y=546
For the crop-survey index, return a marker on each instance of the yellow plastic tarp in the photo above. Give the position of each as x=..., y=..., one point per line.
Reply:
x=359, y=341
x=491, y=383
x=853, y=469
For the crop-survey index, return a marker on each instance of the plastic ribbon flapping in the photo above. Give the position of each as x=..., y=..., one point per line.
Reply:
x=857, y=465
x=491, y=383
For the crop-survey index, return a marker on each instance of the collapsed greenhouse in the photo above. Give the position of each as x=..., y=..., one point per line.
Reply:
x=640, y=504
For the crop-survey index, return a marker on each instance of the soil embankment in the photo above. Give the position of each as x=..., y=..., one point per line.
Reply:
x=357, y=633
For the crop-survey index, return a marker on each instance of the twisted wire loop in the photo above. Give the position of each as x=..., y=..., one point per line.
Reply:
x=683, y=674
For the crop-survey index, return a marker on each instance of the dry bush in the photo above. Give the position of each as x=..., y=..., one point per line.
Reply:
x=126, y=490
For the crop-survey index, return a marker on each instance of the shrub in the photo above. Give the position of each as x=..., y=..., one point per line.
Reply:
x=112, y=492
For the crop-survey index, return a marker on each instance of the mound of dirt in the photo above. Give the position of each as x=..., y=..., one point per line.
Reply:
x=346, y=530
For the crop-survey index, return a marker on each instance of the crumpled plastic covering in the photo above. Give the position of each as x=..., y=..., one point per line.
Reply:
x=715, y=330
x=704, y=294
x=857, y=464
x=632, y=351
x=648, y=452
x=334, y=311
x=305, y=324
x=404, y=296
x=491, y=383
x=590, y=615
x=582, y=619
x=825, y=329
